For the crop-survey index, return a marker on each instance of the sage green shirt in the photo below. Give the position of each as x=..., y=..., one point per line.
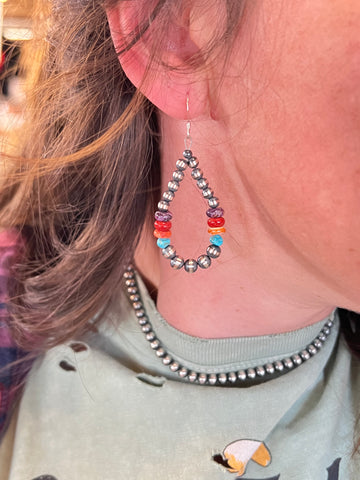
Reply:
x=107, y=408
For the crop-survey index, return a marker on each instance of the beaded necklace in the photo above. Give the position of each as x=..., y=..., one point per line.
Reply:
x=253, y=374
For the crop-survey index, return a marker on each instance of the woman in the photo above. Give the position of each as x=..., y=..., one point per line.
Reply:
x=248, y=376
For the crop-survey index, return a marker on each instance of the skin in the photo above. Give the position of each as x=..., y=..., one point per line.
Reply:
x=277, y=134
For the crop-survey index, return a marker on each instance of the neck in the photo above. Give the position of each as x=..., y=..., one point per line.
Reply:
x=259, y=285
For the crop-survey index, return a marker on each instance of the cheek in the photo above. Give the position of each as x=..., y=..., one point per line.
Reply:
x=307, y=176
x=317, y=208
x=320, y=170
x=305, y=125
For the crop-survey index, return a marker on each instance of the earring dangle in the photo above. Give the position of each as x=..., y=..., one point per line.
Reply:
x=163, y=217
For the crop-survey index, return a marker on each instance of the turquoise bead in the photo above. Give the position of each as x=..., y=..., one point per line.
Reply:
x=216, y=240
x=163, y=242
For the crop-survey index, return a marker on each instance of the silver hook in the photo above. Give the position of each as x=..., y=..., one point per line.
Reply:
x=188, y=139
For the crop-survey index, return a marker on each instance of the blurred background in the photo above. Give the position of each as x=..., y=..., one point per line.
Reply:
x=15, y=31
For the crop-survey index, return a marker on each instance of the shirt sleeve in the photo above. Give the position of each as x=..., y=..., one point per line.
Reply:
x=13, y=363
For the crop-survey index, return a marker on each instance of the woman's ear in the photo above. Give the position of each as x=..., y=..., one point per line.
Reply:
x=164, y=76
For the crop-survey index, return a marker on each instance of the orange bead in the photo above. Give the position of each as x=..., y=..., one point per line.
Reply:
x=158, y=234
x=216, y=231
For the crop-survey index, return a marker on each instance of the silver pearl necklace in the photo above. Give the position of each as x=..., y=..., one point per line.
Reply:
x=253, y=374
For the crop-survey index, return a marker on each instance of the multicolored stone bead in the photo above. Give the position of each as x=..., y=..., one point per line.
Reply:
x=216, y=240
x=158, y=234
x=216, y=231
x=163, y=242
x=216, y=222
x=162, y=226
x=215, y=212
x=163, y=216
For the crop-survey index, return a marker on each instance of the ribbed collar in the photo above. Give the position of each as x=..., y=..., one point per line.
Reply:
x=215, y=355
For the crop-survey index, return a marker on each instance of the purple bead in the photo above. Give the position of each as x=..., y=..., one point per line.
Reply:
x=163, y=216
x=215, y=212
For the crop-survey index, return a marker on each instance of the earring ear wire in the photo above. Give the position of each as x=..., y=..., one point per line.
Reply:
x=214, y=213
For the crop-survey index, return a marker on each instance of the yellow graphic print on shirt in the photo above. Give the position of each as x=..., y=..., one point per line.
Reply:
x=240, y=452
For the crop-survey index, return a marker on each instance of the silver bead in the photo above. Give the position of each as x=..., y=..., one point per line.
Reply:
x=160, y=352
x=187, y=153
x=288, y=363
x=212, y=379
x=213, y=202
x=326, y=331
x=143, y=320
x=140, y=313
x=279, y=366
x=260, y=371
x=167, y=360
x=251, y=373
x=146, y=328
x=207, y=193
x=312, y=350
x=329, y=323
x=202, y=379
x=163, y=206
x=192, y=377
x=270, y=369
x=305, y=355
x=134, y=298
x=173, y=186
x=174, y=366
x=155, y=344
x=128, y=275
x=296, y=359
x=168, y=252
x=150, y=336
x=178, y=175
x=317, y=343
x=222, y=377
x=322, y=337
x=193, y=162
x=204, y=261
x=232, y=377
x=202, y=183
x=213, y=251
x=182, y=372
x=177, y=262
x=137, y=305
x=130, y=268
x=132, y=290
x=130, y=282
x=181, y=165
x=196, y=174
x=168, y=196
x=241, y=374
x=190, y=266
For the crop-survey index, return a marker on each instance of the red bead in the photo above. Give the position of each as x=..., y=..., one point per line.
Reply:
x=158, y=234
x=216, y=222
x=162, y=226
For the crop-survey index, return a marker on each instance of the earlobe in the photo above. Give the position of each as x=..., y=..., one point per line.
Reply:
x=166, y=78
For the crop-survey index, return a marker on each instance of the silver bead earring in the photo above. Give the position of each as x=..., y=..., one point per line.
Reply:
x=163, y=217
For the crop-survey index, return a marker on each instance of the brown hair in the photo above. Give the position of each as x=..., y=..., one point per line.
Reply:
x=89, y=169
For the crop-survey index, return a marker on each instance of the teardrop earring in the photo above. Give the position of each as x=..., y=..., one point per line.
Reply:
x=214, y=213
